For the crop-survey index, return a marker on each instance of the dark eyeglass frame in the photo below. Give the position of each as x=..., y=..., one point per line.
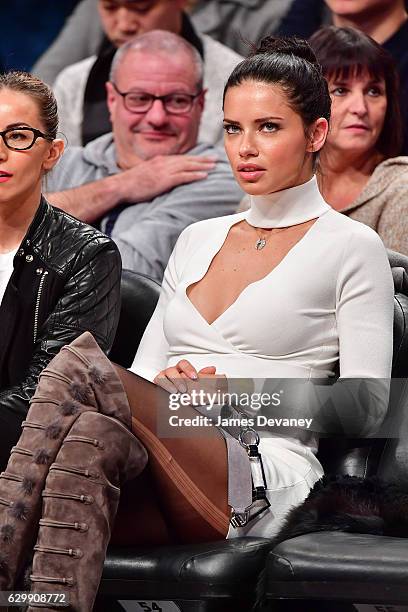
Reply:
x=36, y=134
x=153, y=98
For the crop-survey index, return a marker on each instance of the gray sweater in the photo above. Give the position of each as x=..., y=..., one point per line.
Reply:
x=146, y=232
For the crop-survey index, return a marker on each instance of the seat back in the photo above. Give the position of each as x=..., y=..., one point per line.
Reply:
x=399, y=268
x=393, y=463
x=366, y=457
x=139, y=295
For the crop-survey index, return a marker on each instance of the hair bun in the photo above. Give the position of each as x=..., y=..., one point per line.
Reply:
x=287, y=46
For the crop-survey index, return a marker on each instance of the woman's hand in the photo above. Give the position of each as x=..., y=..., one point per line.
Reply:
x=183, y=377
x=172, y=379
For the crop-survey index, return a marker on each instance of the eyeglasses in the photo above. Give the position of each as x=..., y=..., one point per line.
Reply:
x=21, y=139
x=142, y=102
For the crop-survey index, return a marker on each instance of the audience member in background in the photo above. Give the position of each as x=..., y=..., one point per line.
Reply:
x=228, y=21
x=80, y=88
x=304, y=17
x=142, y=178
x=360, y=174
x=386, y=21
x=235, y=22
x=58, y=276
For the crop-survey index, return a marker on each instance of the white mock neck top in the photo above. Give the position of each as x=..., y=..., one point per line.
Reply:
x=333, y=287
x=329, y=302
x=287, y=207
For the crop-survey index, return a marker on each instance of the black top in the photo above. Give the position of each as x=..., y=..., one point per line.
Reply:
x=65, y=280
x=397, y=45
x=303, y=18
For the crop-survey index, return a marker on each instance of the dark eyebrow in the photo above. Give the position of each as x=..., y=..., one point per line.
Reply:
x=265, y=119
x=261, y=120
x=18, y=124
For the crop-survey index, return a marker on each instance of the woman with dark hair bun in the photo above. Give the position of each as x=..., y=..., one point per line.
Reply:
x=290, y=289
x=359, y=172
x=287, y=292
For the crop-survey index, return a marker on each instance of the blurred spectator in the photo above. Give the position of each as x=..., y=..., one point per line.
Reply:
x=228, y=21
x=304, y=17
x=386, y=21
x=36, y=23
x=150, y=178
x=80, y=88
x=233, y=22
x=356, y=175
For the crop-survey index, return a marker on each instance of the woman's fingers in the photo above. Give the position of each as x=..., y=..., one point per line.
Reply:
x=207, y=370
x=181, y=377
x=171, y=380
x=165, y=383
x=186, y=367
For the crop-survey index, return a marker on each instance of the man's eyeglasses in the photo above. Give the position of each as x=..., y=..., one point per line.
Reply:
x=21, y=139
x=142, y=102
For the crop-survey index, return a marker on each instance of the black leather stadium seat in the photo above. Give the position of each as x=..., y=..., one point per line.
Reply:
x=139, y=294
x=220, y=576
x=345, y=567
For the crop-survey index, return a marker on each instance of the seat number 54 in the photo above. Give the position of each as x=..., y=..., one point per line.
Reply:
x=158, y=606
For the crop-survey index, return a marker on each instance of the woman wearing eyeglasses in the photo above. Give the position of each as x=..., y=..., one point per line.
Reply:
x=58, y=276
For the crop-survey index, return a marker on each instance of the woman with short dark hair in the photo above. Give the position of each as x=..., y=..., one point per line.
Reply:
x=360, y=173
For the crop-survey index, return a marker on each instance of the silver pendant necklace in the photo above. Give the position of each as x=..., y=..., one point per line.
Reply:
x=260, y=243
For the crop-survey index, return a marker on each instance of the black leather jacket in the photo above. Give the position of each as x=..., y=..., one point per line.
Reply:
x=66, y=280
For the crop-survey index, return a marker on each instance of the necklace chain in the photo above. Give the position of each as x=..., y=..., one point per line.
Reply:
x=262, y=239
